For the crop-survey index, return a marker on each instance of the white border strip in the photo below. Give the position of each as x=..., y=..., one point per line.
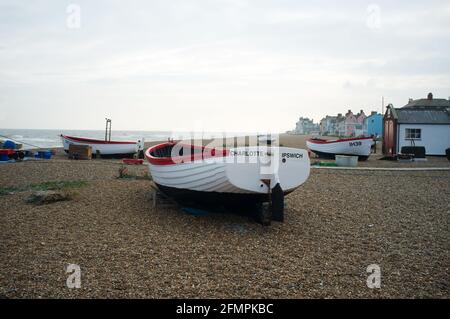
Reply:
x=385, y=168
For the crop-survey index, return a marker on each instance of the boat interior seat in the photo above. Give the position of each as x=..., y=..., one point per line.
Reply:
x=166, y=151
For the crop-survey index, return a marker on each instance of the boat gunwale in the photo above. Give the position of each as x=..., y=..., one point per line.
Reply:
x=95, y=141
x=322, y=141
x=170, y=160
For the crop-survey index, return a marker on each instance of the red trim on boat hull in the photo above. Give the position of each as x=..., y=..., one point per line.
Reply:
x=204, y=154
x=94, y=141
x=322, y=141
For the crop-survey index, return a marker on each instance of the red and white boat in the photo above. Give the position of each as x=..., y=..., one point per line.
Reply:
x=241, y=177
x=102, y=147
x=358, y=146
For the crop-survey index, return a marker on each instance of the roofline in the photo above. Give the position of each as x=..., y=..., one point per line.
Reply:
x=423, y=123
x=394, y=112
x=395, y=115
x=416, y=103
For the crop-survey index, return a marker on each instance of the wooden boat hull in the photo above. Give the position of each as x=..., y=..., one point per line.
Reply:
x=360, y=147
x=108, y=148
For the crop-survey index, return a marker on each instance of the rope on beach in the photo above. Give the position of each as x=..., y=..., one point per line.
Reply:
x=17, y=141
x=82, y=162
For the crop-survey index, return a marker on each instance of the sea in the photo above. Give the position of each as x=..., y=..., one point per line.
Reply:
x=40, y=138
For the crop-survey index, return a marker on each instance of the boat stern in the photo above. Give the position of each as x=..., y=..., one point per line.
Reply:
x=65, y=142
x=260, y=169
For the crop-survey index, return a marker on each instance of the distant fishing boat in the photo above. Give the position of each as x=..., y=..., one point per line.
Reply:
x=105, y=147
x=237, y=177
x=359, y=146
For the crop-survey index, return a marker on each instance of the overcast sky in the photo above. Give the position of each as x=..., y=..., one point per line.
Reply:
x=215, y=65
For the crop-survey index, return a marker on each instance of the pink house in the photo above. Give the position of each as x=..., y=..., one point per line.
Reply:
x=352, y=125
x=360, y=117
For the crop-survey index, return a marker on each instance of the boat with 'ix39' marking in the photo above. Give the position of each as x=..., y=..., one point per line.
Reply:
x=357, y=146
x=250, y=177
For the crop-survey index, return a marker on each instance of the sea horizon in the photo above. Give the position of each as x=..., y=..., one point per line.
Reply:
x=50, y=138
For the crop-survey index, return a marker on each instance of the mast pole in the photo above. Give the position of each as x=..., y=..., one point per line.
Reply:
x=108, y=126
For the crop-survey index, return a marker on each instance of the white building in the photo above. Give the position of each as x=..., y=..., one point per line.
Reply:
x=306, y=126
x=329, y=126
x=423, y=122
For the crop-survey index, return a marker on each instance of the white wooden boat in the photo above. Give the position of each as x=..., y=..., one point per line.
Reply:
x=239, y=177
x=102, y=147
x=359, y=146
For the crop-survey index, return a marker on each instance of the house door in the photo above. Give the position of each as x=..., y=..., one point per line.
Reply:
x=389, y=147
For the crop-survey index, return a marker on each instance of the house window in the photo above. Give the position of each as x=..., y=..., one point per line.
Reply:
x=413, y=133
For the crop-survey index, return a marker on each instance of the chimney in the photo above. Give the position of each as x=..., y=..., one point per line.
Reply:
x=410, y=100
x=339, y=114
x=430, y=96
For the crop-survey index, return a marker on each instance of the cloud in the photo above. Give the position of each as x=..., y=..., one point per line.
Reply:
x=213, y=60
